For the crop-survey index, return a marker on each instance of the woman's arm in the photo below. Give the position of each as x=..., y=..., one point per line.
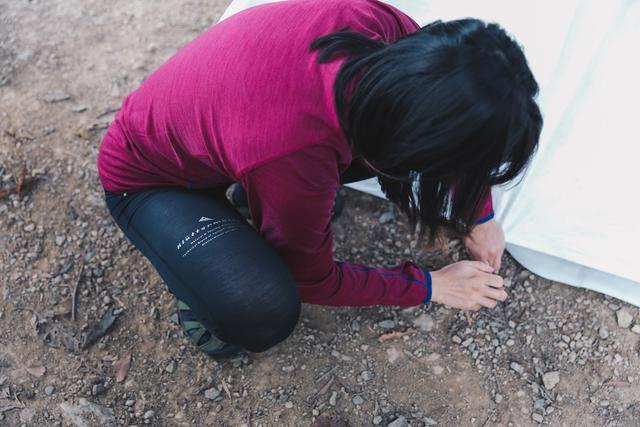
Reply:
x=291, y=199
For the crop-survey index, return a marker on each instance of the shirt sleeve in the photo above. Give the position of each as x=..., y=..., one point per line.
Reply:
x=291, y=199
x=486, y=212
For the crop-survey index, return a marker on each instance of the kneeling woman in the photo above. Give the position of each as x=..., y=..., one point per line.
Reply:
x=289, y=100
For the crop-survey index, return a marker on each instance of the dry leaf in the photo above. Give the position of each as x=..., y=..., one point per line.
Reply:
x=396, y=334
x=122, y=368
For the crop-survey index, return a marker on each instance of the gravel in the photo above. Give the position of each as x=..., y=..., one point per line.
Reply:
x=49, y=390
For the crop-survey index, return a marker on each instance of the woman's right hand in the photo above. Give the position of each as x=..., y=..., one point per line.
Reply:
x=467, y=285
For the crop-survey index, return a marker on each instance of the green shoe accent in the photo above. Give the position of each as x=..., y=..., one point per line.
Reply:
x=200, y=336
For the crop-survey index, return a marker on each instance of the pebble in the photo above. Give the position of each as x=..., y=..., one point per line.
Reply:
x=429, y=421
x=288, y=405
x=636, y=329
x=333, y=399
x=212, y=393
x=551, y=379
x=604, y=403
x=517, y=367
x=367, y=375
x=148, y=415
x=130, y=402
x=537, y=418
x=377, y=420
x=49, y=390
x=387, y=324
x=539, y=404
x=387, y=217
x=29, y=227
x=399, y=422
x=456, y=339
x=355, y=325
x=171, y=367
x=424, y=322
x=357, y=400
x=624, y=318
x=603, y=333
x=60, y=240
x=498, y=398
x=97, y=389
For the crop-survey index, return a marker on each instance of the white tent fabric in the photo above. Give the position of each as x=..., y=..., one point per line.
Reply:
x=572, y=217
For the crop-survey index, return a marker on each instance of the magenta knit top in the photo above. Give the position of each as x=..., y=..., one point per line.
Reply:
x=248, y=102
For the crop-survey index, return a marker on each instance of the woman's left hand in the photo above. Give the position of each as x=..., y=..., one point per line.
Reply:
x=486, y=243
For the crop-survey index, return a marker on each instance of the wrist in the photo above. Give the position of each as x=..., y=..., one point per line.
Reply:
x=436, y=285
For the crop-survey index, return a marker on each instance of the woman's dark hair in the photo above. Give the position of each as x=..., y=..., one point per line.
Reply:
x=439, y=115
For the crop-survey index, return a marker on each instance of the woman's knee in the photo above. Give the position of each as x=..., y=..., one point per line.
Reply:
x=264, y=318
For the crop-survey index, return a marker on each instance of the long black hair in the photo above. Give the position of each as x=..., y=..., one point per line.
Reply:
x=439, y=116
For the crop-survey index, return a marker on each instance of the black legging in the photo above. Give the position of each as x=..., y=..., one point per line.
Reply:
x=212, y=259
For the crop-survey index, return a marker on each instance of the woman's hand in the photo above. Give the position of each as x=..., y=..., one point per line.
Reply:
x=467, y=285
x=486, y=243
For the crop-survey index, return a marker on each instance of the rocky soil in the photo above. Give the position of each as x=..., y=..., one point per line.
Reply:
x=87, y=329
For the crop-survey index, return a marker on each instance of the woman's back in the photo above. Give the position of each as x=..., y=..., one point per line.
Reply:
x=245, y=92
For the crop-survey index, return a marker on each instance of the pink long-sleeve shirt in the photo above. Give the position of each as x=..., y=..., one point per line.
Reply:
x=248, y=102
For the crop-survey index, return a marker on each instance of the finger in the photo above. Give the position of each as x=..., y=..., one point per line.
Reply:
x=497, y=262
x=487, y=302
x=475, y=307
x=497, y=294
x=492, y=280
x=482, y=266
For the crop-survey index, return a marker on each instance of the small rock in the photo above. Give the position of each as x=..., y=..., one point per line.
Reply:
x=171, y=367
x=333, y=399
x=377, y=420
x=97, y=389
x=424, y=322
x=429, y=421
x=49, y=390
x=636, y=329
x=367, y=375
x=288, y=405
x=85, y=411
x=537, y=417
x=148, y=415
x=387, y=217
x=539, y=404
x=551, y=379
x=355, y=325
x=55, y=96
x=399, y=422
x=60, y=240
x=212, y=393
x=437, y=370
x=357, y=400
x=604, y=403
x=603, y=333
x=29, y=227
x=516, y=367
x=387, y=324
x=498, y=398
x=624, y=318
x=456, y=339
x=130, y=402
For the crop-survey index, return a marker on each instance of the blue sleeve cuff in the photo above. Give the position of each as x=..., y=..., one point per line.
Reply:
x=428, y=283
x=485, y=219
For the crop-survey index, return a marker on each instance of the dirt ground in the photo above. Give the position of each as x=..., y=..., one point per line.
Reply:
x=551, y=354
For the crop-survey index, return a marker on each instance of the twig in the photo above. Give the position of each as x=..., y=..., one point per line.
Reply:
x=74, y=295
x=226, y=389
x=326, y=374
